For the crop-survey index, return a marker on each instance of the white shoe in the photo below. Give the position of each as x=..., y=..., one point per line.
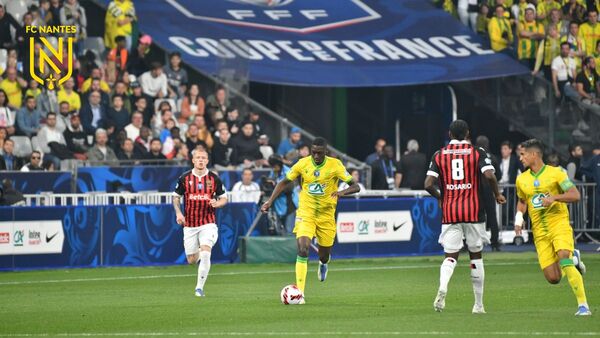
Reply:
x=478, y=309
x=440, y=301
x=322, y=271
x=199, y=293
x=579, y=264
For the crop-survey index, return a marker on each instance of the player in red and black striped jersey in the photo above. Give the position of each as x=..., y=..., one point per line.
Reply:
x=456, y=169
x=202, y=192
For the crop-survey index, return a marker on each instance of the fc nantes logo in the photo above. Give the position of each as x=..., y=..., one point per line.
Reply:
x=45, y=64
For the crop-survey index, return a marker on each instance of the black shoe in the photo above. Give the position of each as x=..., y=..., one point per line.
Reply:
x=496, y=247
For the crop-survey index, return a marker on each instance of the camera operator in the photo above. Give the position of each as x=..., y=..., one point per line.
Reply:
x=282, y=215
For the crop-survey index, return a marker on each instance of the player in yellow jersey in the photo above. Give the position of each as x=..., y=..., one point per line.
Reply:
x=319, y=176
x=543, y=191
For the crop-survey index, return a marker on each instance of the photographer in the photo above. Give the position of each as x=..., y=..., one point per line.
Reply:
x=283, y=213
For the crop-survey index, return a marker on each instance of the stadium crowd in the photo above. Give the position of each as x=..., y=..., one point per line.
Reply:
x=556, y=39
x=119, y=104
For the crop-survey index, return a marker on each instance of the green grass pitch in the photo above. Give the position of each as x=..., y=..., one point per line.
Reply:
x=375, y=297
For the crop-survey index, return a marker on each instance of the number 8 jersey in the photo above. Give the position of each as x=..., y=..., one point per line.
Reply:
x=458, y=166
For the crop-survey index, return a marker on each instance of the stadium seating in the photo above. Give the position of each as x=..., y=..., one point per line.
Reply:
x=17, y=8
x=23, y=146
x=3, y=57
x=35, y=143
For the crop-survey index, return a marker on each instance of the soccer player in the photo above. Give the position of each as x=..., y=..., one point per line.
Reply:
x=202, y=192
x=458, y=167
x=543, y=191
x=315, y=216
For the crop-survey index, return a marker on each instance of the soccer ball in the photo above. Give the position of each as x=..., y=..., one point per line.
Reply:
x=291, y=295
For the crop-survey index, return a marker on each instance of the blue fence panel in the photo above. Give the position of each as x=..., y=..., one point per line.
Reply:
x=123, y=235
x=36, y=182
x=130, y=178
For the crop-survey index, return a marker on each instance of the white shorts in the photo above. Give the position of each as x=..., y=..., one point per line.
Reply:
x=195, y=237
x=474, y=234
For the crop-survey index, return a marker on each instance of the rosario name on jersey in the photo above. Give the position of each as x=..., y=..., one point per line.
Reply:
x=197, y=191
x=458, y=166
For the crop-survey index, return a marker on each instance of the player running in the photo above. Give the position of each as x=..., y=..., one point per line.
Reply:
x=319, y=175
x=202, y=192
x=457, y=167
x=543, y=191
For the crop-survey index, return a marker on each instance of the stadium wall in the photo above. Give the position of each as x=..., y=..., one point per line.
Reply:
x=94, y=236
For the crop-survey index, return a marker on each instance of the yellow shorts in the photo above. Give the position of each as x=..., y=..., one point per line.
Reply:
x=322, y=227
x=548, y=245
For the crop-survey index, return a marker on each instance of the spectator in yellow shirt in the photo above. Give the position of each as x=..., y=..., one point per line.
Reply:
x=95, y=74
x=33, y=90
x=544, y=8
x=530, y=33
x=589, y=32
x=13, y=86
x=67, y=94
x=499, y=29
x=119, y=16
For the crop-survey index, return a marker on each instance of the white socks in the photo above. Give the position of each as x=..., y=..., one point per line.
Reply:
x=203, y=268
x=477, y=278
x=446, y=271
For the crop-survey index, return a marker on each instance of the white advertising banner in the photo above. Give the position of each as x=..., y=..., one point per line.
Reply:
x=31, y=237
x=374, y=226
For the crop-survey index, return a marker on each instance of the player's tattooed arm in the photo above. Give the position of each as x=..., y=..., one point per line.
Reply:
x=178, y=214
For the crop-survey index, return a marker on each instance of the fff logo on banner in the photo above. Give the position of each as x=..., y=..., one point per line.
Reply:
x=47, y=63
x=300, y=16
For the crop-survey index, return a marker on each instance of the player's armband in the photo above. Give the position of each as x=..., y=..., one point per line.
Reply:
x=566, y=185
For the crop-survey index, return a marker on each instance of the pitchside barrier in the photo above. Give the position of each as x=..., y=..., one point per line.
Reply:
x=100, y=229
x=584, y=215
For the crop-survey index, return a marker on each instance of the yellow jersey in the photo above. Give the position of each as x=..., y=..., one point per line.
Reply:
x=527, y=47
x=116, y=11
x=73, y=99
x=14, y=92
x=544, y=8
x=590, y=35
x=532, y=187
x=318, y=182
x=500, y=33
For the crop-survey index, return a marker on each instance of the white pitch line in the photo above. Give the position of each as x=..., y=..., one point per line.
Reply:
x=333, y=333
x=264, y=272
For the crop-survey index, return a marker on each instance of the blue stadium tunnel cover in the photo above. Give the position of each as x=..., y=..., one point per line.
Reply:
x=333, y=43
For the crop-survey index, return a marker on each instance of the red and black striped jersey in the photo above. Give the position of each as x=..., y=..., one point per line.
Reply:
x=458, y=167
x=197, y=191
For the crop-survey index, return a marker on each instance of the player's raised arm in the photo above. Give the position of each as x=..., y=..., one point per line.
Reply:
x=279, y=188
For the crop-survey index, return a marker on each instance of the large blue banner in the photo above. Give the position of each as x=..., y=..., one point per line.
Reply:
x=348, y=43
x=34, y=182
